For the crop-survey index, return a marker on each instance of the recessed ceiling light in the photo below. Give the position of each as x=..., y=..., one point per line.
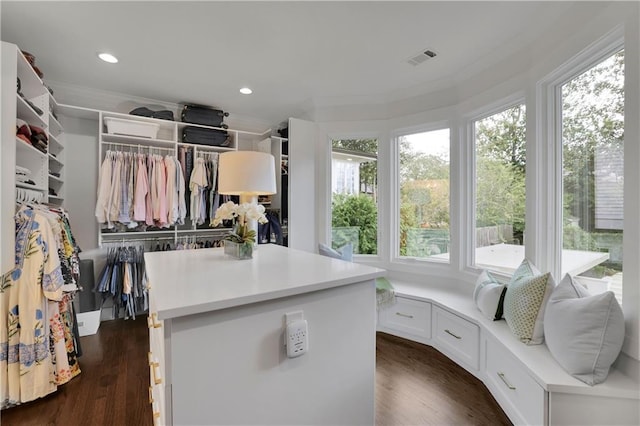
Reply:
x=108, y=57
x=246, y=91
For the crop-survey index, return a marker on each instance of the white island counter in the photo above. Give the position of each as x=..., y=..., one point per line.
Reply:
x=217, y=325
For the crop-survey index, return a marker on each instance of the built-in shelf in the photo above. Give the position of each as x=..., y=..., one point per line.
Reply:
x=54, y=144
x=136, y=233
x=55, y=161
x=26, y=113
x=207, y=147
x=201, y=230
x=24, y=147
x=55, y=179
x=30, y=84
x=55, y=128
x=135, y=140
x=56, y=198
x=29, y=186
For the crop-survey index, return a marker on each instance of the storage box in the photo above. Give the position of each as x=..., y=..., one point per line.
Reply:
x=120, y=126
x=88, y=322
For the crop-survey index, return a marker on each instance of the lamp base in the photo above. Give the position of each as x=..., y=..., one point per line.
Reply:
x=251, y=224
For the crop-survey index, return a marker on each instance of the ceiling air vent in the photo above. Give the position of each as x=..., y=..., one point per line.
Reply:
x=421, y=57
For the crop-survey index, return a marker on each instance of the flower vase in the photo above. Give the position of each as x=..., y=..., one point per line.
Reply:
x=238, y=250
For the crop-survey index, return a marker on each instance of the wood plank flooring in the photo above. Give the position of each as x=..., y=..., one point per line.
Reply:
x=111, y=390
x=415, y=385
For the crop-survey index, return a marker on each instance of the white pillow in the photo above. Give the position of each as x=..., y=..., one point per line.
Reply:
x=584, y=333
x=525, y=302
x=488, y=295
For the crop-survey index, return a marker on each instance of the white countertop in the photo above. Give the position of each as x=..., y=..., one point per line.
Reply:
x=187, y=282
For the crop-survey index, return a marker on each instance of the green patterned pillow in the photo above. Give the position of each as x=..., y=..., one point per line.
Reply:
x=525, y=302
x=525, y=271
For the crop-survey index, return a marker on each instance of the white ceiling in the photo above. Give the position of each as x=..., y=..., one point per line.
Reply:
x=293, y=55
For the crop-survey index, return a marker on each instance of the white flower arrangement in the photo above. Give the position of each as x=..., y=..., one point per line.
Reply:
x=240, y=214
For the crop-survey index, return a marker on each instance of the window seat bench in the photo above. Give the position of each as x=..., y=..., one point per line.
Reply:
x=526, y=381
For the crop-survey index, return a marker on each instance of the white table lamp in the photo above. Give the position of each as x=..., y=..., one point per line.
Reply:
x=247, y=174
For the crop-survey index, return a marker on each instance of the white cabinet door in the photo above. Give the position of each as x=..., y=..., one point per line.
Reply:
x=8, y=157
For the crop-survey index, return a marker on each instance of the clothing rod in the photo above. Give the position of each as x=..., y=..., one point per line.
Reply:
x=178, y=239
x=138, y=146
x=132, y=240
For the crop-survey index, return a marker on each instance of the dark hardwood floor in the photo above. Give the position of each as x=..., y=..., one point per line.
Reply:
x=111, y=390
x=415, y=385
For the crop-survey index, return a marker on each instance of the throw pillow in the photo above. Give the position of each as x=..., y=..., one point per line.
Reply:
x=584, y=332
x=525, y=301
x=344, y=253
x=488, y=295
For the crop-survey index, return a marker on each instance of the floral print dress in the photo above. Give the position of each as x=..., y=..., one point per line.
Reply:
x=26, y=366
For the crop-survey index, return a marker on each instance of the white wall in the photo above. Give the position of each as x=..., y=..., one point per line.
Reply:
x=81, y=178
x=515, y=78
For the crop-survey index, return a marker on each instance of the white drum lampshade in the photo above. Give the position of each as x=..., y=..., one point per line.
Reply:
x=246, y=173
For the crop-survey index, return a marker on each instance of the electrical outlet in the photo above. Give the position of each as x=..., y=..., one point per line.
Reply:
x=297, y=337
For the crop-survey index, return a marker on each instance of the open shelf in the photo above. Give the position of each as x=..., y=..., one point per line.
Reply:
x=26, y=113
x=29, y=186
x=53, y=160
x=25, y=148
x=55, y=128
x=136, y=140
x=54, y=144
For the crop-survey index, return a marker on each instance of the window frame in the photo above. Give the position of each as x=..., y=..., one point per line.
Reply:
x=394, y=249
x=469, y=206
x=549, y=139
x=326, y=227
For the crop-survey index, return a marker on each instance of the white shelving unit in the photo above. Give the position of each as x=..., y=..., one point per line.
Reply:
x=17, y=101
x=168, y=141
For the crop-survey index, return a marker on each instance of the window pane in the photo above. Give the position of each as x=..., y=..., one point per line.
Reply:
x=500, y=189
x=593, y=175
x=354, y=189
x=424, y=195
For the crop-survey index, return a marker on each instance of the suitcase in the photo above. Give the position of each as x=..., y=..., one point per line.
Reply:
x=200, y=136
x=203, y=115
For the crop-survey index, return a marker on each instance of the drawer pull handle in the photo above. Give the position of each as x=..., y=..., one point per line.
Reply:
x=157, y=380
x=454, y=335
x=400, y=314
x=153, y=322
x=501, y=375
x=150, y=395
x=151, y=361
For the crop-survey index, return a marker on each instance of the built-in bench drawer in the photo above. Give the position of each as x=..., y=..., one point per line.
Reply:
x=407, y=316
x=456, y=337
x=519, y=395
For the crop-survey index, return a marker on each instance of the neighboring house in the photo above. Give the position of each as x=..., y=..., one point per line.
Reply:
x=345, y=168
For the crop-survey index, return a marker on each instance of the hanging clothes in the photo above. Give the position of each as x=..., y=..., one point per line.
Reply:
x=197, y=184
x=139, y=190
x=35, y=310
x=123, y=280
